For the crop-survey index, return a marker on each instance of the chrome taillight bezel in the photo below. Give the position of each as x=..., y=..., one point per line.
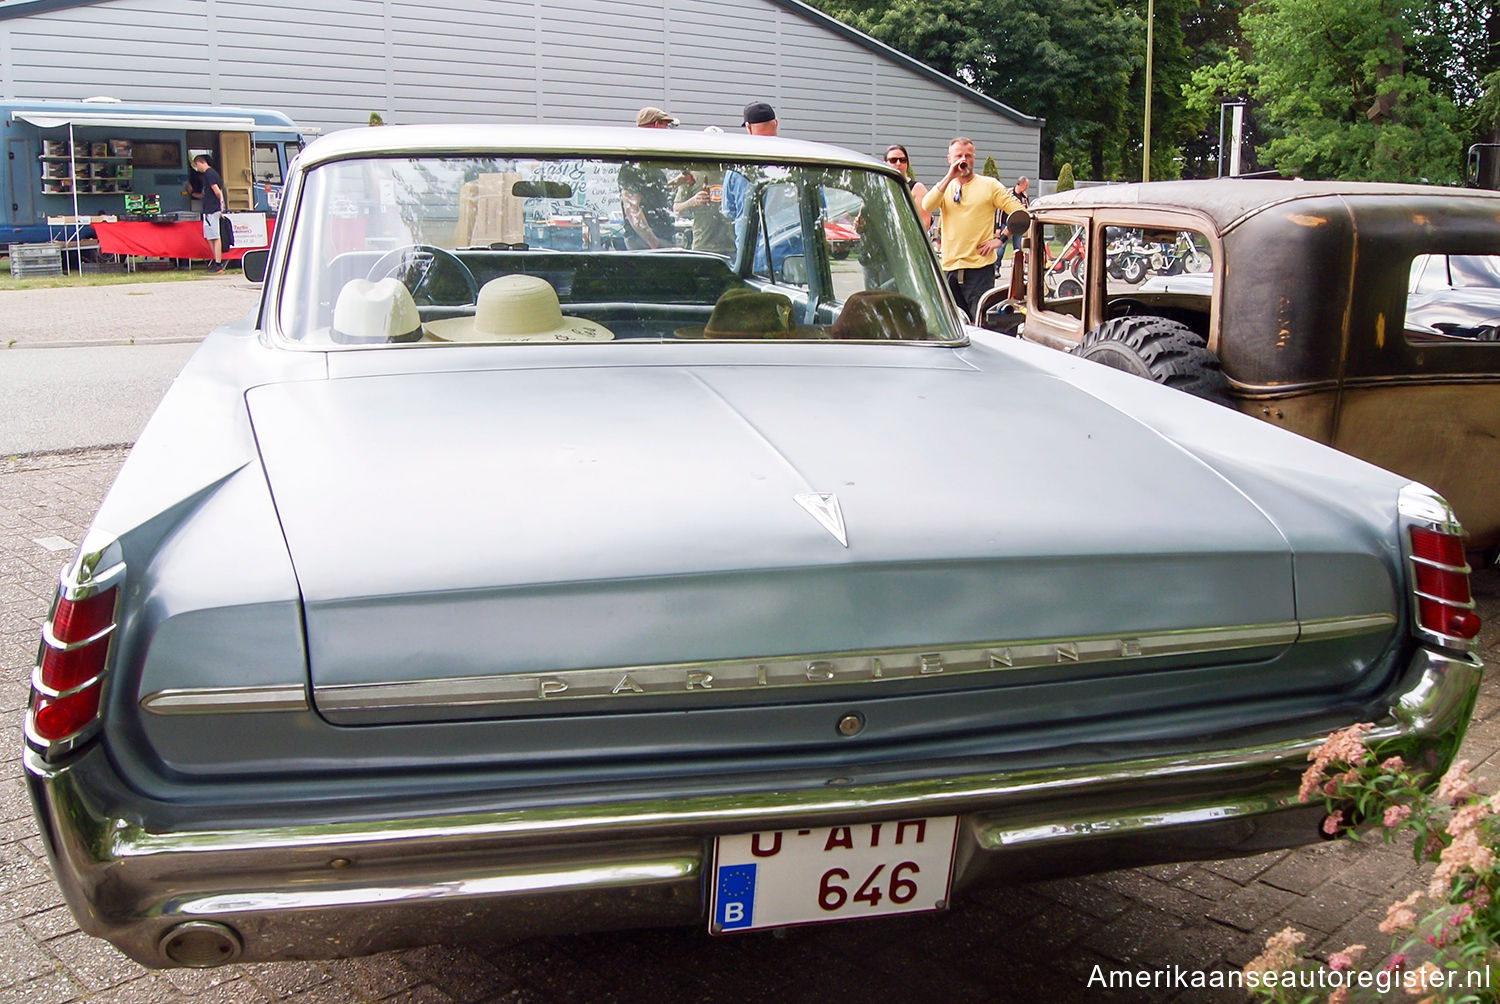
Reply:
x=1419, y=506
x=76, y=583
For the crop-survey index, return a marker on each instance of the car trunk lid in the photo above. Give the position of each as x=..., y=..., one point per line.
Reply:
x=477, y=543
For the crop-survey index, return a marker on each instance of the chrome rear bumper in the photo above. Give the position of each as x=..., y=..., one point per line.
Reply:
x=203, y=898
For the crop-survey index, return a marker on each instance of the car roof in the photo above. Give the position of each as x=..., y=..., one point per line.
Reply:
x=1229, y=200
x=576, y=141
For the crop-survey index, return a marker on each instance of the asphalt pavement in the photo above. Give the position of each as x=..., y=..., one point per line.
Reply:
x=84, y=366
x=1036, y=941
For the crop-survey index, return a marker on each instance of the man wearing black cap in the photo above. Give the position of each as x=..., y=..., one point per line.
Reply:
x=759, y=120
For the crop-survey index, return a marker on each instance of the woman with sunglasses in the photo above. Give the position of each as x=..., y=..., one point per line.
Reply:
x=897, y=157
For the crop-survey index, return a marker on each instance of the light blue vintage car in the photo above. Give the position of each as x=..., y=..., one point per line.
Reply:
x=477, y=589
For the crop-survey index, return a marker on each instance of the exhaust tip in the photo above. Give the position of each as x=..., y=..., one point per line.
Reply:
x=201, y=944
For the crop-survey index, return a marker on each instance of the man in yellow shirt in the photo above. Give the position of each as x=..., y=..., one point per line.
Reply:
x=967, y=202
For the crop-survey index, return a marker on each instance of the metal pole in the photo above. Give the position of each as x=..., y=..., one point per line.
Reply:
x=77, y=230
x=1146, y=145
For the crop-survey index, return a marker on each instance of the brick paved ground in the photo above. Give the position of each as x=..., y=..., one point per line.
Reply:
x=1036, y=942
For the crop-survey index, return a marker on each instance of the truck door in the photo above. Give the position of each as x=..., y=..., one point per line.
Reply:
x=234, y=147
x=268, y=170
x=21, y=182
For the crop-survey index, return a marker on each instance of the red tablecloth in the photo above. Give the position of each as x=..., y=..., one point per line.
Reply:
x=163, y=240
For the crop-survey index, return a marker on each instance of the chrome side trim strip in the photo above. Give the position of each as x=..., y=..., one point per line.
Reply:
x=780, y=673
x=998, y=833
x=1345, y=627
x=222, y=700
x=506, y=882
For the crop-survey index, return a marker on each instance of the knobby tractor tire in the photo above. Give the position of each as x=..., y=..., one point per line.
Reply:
x=1158, y=349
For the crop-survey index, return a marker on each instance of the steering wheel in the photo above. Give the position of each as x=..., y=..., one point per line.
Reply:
x=428, y=272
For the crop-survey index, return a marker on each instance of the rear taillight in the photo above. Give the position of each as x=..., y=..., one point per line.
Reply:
x=1442, y=607
x=72, y=664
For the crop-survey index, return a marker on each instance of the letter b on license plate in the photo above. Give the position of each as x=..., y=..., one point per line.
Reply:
x=807, y=876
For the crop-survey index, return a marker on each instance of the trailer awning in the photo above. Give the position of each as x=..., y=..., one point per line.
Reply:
x=145, y=120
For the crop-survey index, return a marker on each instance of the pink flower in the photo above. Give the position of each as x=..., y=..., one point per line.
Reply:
x=1456, y=785
x=1395, y=816
x=1399, y=916
x=1393, y=765
x=1339, y=961
x=1465, y=854
x=1280, y=953
x=1331, y=824
x=1345, y=746
x=1396, y=962
x=1430, y=977
x=1339, y=996
x=1467, y=818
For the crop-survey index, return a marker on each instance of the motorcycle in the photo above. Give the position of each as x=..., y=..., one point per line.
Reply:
x=1128, y=259
x=1182, y=255
x=1063, y=274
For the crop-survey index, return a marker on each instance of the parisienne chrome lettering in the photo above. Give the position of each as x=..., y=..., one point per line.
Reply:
x=622, y=683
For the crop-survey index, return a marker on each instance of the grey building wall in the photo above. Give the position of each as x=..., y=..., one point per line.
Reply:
x=330, y=63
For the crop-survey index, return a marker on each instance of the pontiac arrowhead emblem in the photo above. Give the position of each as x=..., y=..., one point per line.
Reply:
x=824, y=507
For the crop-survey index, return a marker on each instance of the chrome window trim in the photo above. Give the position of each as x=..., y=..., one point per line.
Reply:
x=778, y=673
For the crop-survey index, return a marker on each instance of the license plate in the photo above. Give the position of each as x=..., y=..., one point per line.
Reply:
x=808, y=876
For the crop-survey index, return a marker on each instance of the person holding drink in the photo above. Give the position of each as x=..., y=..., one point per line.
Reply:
x=699, y=197
x=966, y=202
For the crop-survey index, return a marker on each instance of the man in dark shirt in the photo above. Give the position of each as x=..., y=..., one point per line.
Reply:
x=213, y=206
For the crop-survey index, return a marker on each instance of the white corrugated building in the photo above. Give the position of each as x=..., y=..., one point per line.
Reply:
x=330, y=63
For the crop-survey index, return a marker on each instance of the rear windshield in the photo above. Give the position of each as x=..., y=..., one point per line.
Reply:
x=509, y=250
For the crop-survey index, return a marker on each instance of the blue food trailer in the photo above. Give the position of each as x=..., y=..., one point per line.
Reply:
x=87, y=158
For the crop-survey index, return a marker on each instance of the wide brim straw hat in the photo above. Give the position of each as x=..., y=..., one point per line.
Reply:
x=370, y=312
x=751, y=313
x=518, y=308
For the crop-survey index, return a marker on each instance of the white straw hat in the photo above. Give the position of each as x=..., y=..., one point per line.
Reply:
x=375, y=312
x=518, y=308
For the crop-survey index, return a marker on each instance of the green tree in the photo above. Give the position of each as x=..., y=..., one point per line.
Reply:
x=1068, y=62
x=990, y=168
x=1172, y=123
x=1211, y=32
x=1065, y=178
x=1336, y=96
